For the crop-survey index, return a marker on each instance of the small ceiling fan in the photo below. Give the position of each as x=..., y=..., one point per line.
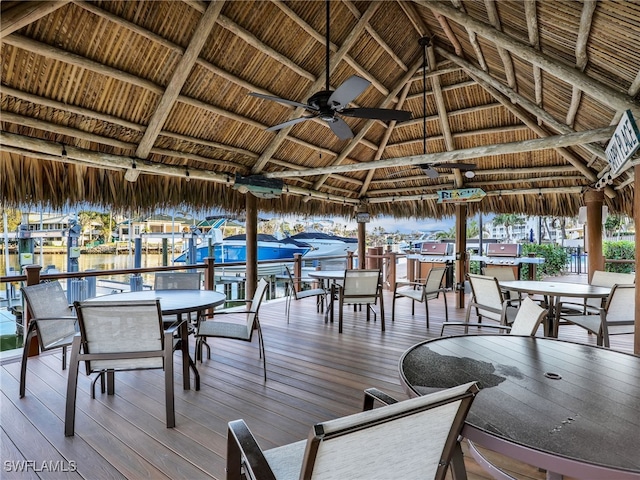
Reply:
x=429, y=169
x=327, y=104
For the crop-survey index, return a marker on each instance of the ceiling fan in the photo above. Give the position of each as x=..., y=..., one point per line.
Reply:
x=430, y=169
x=327, y=104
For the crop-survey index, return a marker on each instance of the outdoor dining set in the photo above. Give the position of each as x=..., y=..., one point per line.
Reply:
x=481, y=379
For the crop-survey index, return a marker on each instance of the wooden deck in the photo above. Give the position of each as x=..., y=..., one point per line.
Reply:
x=314, y=374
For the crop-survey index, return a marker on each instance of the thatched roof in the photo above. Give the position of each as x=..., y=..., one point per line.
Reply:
x=92, y=89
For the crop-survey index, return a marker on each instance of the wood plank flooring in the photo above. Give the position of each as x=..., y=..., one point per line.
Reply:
x=314, y=374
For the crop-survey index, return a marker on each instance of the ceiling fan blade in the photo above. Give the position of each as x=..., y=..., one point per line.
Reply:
x=384, y=114
x=289, y=123
x=341, y=129
x=429, y=171
x=460, y=166
x=347, y=92
x=282, y=100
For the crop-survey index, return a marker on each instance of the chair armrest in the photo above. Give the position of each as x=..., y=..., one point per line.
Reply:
x=243, y=450
x=173, y=328
x=474, y=324
x=373, y=394
x=406, y=284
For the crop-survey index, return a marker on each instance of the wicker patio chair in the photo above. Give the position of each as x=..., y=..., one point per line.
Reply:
x=52, y=320
x=615, y=318
x=416, y=438
x=295, y=294
x=361, y=287
x=526, y=322
x=239, y=328
x=422, y=292
x=116, y=337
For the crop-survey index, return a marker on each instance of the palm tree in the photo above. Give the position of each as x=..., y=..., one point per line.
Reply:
x=508, y=220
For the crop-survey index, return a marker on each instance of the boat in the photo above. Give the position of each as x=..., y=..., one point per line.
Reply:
x=325, y=244
x=234, y=249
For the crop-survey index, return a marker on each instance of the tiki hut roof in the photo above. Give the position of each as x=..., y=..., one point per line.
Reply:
x=146, y=105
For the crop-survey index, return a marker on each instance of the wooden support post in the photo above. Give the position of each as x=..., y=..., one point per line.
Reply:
x=392, y=270
x=252, y=245
x=33, y=278
x=461, y=251
x=297, y=270
x=636, y=218
x=350, y=260
x=594, y=200
x=209, y=274
x=362, y=245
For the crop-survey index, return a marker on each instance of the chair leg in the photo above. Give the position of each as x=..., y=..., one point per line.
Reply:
x=168, y=381
x=393, y=307
x=382, y=312
x=25, y=354
x=446, y=310
x=72, y=386
x=426, y=310
x=64, y=357
x=263, y=354
x=100, y=377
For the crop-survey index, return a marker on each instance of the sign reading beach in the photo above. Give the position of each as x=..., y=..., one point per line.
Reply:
x=461, y=196
x=623, y=144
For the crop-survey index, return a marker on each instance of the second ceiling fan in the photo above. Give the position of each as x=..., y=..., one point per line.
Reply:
x=328, y=104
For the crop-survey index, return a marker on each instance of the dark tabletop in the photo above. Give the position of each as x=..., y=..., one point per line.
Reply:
x=591, y=414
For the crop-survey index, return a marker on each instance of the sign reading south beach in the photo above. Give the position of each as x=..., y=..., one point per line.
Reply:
x=623, y=144
x=461, y=196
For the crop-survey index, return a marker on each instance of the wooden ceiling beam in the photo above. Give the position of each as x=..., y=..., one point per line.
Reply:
x=588, y=8
x=599, y=91
x=473, y=38
x=179, y=78
x=25, y=13
x=505, y=56
x=531, y=14
x=576, y=138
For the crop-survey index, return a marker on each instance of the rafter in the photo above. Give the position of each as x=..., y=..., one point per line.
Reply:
x=505, y=56
x=473, y=38
x=24, y=13
x=603, y=93
x=588, y=8
x=531, y=15
x=178, y=79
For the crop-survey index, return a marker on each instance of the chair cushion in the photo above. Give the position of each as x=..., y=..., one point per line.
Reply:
x=412, y=293
x=590, y=322
x=286, y=461
x=310, y=293
x=214, y=328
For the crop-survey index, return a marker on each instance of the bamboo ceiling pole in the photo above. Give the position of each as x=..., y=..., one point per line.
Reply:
x=594, y=200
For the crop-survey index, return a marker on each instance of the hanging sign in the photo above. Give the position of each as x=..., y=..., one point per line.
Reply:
x=463, y=195
x=623, y=144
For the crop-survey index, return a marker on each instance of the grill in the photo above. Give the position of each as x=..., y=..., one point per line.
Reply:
x=508, y=256
x=434, y=255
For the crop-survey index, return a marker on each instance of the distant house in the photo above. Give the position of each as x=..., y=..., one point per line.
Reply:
x=153, y=228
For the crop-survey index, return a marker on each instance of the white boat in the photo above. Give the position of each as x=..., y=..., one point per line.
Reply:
x=326, y=245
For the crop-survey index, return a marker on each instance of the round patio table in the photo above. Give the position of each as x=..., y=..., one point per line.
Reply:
x=569, y=408
x=175, y=302
x=554, y=290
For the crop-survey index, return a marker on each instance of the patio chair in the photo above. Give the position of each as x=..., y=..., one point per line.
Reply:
x=361, y=287
x=293, y=292
x=415, y=438
x=177, y=281
x=488, y=301
x=239, y=328
x=503, y=275
x=526, y=322
x=422, y=292
x=117, y=337
x=52, y=321
x=615, y=318
x=592, y=306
